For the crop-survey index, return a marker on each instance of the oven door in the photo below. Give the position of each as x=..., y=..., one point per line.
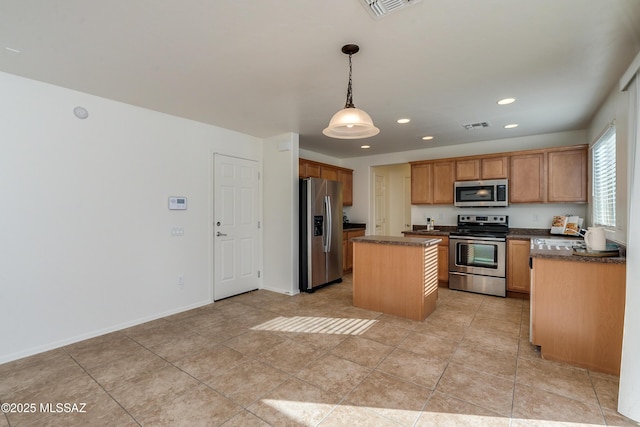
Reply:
x=484, y=256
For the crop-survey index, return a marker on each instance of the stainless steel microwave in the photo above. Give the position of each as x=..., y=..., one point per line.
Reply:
x=494, y=192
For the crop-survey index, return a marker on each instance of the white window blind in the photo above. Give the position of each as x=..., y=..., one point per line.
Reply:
x=604, y=179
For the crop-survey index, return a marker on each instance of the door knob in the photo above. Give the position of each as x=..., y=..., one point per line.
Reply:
x=220, y=234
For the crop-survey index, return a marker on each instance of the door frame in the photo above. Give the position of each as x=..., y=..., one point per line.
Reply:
x=212, y=227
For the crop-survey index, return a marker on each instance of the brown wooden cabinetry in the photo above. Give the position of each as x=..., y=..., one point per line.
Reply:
x=468, y=170
x=347, y=247
x=518, y=275
x=527, y=180
x=443, y=179
x=443, y=261
x=479, y=168
x=551, y=175
x=421, y=187
x=567, y=175
x=495, y=167
x=577, y=312
x=346, y=178
x=443, y=255
x=432, y=182
x=311, y=169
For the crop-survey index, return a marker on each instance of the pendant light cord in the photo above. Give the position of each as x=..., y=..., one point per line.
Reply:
x=349, y=103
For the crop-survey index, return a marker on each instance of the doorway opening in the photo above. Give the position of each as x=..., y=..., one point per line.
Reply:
x=391, y=199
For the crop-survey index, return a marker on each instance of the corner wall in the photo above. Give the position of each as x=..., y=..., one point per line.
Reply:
x=87, y=242
x=280, y=206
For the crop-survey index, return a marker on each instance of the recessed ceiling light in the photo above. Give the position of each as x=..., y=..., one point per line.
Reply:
x=511, y=126
x=403, y=121
x=427, y=138
x=365, y=146
x=506, y=101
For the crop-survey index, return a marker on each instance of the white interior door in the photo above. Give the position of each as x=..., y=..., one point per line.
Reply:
x=380, y=205
x=406, y=204
x=236, y=233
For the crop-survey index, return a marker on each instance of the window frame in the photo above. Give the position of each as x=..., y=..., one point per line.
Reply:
x=606, y=159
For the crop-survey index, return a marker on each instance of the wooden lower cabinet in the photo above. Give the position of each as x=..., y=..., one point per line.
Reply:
x=443, y=256
x=518, y=272
x=577, y=312
x=443, y=261
x=347, y=247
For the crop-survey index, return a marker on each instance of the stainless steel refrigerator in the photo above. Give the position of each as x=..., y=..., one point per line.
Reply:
x=320, y=233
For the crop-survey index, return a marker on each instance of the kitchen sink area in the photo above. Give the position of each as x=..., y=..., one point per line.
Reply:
x=557, y=243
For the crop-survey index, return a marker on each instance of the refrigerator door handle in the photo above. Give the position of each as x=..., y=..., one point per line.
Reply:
x=328, y=223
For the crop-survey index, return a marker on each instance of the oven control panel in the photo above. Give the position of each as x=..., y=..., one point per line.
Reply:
x=483, y=219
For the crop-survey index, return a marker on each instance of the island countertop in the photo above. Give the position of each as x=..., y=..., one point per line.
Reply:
x=394, y=240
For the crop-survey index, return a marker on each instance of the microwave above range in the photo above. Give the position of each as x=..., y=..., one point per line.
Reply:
x=486, y=193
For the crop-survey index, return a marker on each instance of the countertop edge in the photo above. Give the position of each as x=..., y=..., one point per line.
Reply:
x=398, y=241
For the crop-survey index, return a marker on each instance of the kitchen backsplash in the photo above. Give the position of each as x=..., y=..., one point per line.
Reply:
x=520, y=216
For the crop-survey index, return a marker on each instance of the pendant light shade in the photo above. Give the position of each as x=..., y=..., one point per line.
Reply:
x=350, y=122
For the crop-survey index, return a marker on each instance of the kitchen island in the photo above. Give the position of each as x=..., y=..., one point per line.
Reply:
x=396, y=275
x=577, y=308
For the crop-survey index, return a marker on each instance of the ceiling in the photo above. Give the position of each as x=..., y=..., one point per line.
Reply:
x=274, y=66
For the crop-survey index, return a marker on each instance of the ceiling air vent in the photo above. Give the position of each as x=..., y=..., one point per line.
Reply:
x=379, y=8
x=480, y=125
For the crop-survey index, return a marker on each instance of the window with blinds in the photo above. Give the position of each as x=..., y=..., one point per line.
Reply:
x=604, y=179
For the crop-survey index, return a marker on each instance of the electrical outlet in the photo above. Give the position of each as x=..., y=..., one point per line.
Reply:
x=181, y=281
x=535, y=217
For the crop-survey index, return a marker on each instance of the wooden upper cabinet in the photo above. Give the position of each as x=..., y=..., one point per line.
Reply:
x=480, y=168
x=421, y=188
x=468, y=170
x=328, y=173
x=527, y=181
x=494, y=167
x=443, y=179
x=308, y=169
x=346, y=178
x=567, y=176
x=311, y=169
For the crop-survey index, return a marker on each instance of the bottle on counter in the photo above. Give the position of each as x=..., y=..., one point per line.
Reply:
x=433, y=224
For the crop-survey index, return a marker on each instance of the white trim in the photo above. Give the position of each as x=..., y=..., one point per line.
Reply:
x=631, y=72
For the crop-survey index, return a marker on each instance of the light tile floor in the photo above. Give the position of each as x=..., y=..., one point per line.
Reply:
x=263, y=359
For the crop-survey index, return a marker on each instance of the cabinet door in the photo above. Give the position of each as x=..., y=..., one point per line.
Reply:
x=567, y=176
x=345, y=255
x=495, y=168
x=518, y=274
x=351, y=235
x=467, y=170
x=312, y=170
x=328, y=173
x=527, y=178
x=346, y=178
x=443, y=260
x=421, y=188
x=443, y=179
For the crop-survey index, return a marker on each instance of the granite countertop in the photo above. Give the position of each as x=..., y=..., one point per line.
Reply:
x=565, y=254
x=394, y=240
x=353, y=226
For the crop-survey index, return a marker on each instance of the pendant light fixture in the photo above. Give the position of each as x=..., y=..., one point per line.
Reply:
x=350, y=122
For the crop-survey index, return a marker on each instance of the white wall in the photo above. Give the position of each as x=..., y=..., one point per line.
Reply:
x=519, y=216
x=86, y=234
x=281, y=214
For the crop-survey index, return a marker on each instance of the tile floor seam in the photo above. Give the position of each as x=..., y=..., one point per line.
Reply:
x=102, y=387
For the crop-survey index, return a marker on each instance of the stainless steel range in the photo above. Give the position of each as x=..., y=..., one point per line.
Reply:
x=477, y=254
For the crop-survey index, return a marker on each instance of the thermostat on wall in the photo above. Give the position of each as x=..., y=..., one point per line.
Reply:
x=177, y=203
